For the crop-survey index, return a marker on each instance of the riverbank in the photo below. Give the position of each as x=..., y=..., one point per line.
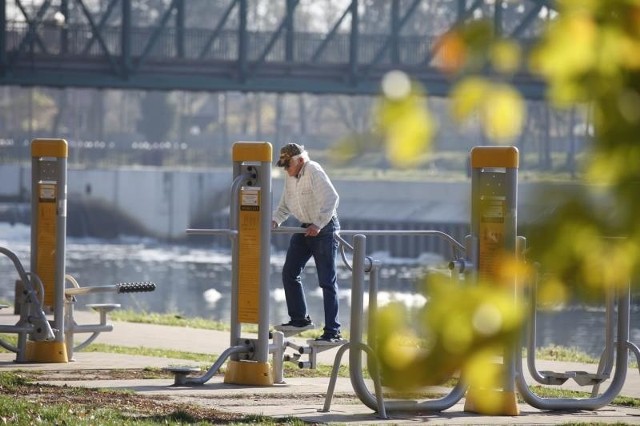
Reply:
x=164, y=202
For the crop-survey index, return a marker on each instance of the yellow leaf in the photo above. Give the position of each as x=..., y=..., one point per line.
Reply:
x=408, y=139
x=406, y=125
x=505, y=56
x=568, y=49
x=451, y=52
x=503, y=113
x=467, y=96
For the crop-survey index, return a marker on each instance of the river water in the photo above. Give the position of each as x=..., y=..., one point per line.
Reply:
x=196, y=282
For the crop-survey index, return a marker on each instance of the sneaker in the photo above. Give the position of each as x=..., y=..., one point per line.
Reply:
x=297, y=325
x=329, y=337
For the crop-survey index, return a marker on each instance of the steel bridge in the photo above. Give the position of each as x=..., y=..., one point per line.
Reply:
x=75, y=43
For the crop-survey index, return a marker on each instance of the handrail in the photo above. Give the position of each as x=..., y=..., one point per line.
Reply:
x=457, y=248
x=223, y=232
x=454, y=243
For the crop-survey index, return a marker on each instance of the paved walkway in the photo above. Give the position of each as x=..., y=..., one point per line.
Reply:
x=299, y=397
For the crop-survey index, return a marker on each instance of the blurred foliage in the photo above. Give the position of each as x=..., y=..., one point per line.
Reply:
x=461, y=325
x=471, y=50
x=403, y=120
x=589, y=56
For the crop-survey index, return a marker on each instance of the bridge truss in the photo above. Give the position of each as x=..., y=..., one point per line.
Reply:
x=103, y=44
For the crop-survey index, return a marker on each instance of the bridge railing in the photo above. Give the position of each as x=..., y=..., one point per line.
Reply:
x=73, y=40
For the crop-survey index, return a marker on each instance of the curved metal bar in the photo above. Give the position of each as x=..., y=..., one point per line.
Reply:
x=343, y=254
x=8, y=346
x=355, y=359
x=35, y=278
x=636, y=351
x=531, y=335
x=334, y=377
x=72, y=280
x=624, y=300
x=343, y=241
x=297, y=230
x=605, y=365
x=374, y=277
x=16, y=263
x=455, y=245
x=380, y=407
x=88, y=341
x=216, y=365
x=38, y=316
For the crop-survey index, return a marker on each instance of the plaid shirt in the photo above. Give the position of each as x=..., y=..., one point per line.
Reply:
x=310, y=197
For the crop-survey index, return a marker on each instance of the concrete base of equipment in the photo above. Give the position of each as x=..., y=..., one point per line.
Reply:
x=46, y=352
x=250, y=373
x=492, y=402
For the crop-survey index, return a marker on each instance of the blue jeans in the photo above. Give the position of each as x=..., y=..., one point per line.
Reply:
x=324, y=249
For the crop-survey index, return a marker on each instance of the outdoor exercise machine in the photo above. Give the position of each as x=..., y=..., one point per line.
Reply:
x=617, y=346
x=43, y=291
x=493, y=232
x=250, y=234
x=362, y=265
x=249, y=231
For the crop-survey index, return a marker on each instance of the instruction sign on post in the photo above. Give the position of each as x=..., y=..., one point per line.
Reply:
x=491, y=236
x=249, y=260
x=46, y=239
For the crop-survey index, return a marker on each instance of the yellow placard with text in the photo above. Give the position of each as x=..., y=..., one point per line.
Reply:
x=492, y=238
x=46, y=240
x=249, y=255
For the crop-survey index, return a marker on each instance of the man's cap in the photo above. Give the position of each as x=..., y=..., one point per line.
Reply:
x=289, y=151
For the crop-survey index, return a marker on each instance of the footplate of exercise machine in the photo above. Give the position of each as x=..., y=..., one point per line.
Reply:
x=289, y=331
x=582, y=378
x=556, y=378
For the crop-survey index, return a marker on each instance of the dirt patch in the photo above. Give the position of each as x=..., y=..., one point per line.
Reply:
x=82, y=402
x=66, y=375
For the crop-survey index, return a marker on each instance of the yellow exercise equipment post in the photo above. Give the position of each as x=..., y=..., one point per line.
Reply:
x=48, y=239
x=250, y=233
x=494, y=200
x=251, y=217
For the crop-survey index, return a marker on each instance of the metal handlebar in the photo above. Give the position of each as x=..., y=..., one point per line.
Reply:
x=135, y=287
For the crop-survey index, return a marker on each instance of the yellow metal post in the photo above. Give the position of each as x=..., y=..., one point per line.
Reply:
x=493, y=233
x=251, y=254
x=48, y=239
